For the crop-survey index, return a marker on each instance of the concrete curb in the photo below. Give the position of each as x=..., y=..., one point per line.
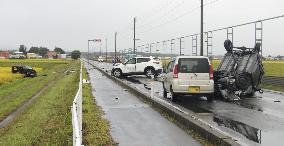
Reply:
x=184, y=121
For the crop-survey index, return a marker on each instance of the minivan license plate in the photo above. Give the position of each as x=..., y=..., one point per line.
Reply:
x=194, y=89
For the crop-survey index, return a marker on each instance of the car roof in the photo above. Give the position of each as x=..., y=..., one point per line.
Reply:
x=143, y=57
x=178, y=57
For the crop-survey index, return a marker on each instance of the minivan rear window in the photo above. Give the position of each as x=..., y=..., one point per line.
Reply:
x=193, y=65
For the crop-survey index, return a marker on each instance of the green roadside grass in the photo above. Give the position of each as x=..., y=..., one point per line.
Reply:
x=272, y=87
x=96, y=129
x=44, y=63
x=47, y=121
x=13, y=94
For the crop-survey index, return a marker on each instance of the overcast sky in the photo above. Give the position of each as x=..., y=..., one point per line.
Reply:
x=70, y=23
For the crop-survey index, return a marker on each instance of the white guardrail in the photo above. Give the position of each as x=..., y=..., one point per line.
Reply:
x=76, y=110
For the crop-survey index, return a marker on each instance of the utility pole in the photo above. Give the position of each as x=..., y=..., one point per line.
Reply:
x=180, y=46
x=88, y=52
x=106, y=50
x=201, y=33
x=100, y=49
x=157, y=48
x=115, y=44
x=151, y=49
x=134, y=37
x=172, y=47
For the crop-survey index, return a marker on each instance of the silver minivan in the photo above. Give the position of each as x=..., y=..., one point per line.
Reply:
x=189, y=75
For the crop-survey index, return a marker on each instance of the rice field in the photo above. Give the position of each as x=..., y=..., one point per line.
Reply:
x=6, y=75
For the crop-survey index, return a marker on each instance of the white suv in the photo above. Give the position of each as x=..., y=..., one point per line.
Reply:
x=189, y=75
x=101, y=59
x=138, y=66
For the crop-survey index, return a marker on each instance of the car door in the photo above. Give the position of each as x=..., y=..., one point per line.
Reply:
x=141, y=64
x=130, y=66
x=168, y=76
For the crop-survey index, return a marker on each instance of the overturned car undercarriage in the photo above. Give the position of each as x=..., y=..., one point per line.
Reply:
x=239, y=73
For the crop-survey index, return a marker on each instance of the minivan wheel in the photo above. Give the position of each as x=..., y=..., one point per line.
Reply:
x=149, y=72
x=117, y=73
x=173, y=96
x=165, y=93
x=210, y=97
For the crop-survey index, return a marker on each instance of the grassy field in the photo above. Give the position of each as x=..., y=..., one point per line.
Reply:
x=47, y=121
x=96, y=129
x=14, y=93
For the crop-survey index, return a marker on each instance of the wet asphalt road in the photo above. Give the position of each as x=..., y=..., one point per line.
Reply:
x=251, y=121
x=132, y=121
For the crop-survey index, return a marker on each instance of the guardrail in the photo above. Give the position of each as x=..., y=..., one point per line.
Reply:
x=76, y=110
x=276, y=81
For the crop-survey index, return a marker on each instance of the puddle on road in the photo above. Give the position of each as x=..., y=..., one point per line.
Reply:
x=133, y=81
x=245, y=104
x=194, y=104
x=249, y=132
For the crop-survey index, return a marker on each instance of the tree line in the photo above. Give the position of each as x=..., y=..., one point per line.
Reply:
x=42, y=51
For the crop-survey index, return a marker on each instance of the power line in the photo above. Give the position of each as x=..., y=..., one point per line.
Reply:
x=178, y=17
x=162, y=16
x=159, y=9
x=238, y=25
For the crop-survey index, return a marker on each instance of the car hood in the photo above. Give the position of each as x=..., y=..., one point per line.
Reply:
x=118, y=64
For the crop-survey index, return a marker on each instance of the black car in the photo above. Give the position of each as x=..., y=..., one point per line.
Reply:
x=239, y=73
x=27, y=70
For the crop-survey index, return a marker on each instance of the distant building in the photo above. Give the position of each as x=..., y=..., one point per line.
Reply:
x=4, y=54
x=17, y=55
x=62, y=56
x=31, y=55
x=51, y=54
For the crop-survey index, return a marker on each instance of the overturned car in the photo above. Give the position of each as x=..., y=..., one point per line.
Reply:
x=239, y=73
x=26, y=70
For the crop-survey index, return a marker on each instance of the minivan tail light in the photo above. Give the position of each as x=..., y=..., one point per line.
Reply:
x=175, y=71
x=211, y=72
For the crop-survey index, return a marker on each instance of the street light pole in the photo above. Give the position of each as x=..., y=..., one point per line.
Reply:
x=89, y=49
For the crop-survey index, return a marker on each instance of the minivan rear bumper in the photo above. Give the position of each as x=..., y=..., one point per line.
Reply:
x=184, y=89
